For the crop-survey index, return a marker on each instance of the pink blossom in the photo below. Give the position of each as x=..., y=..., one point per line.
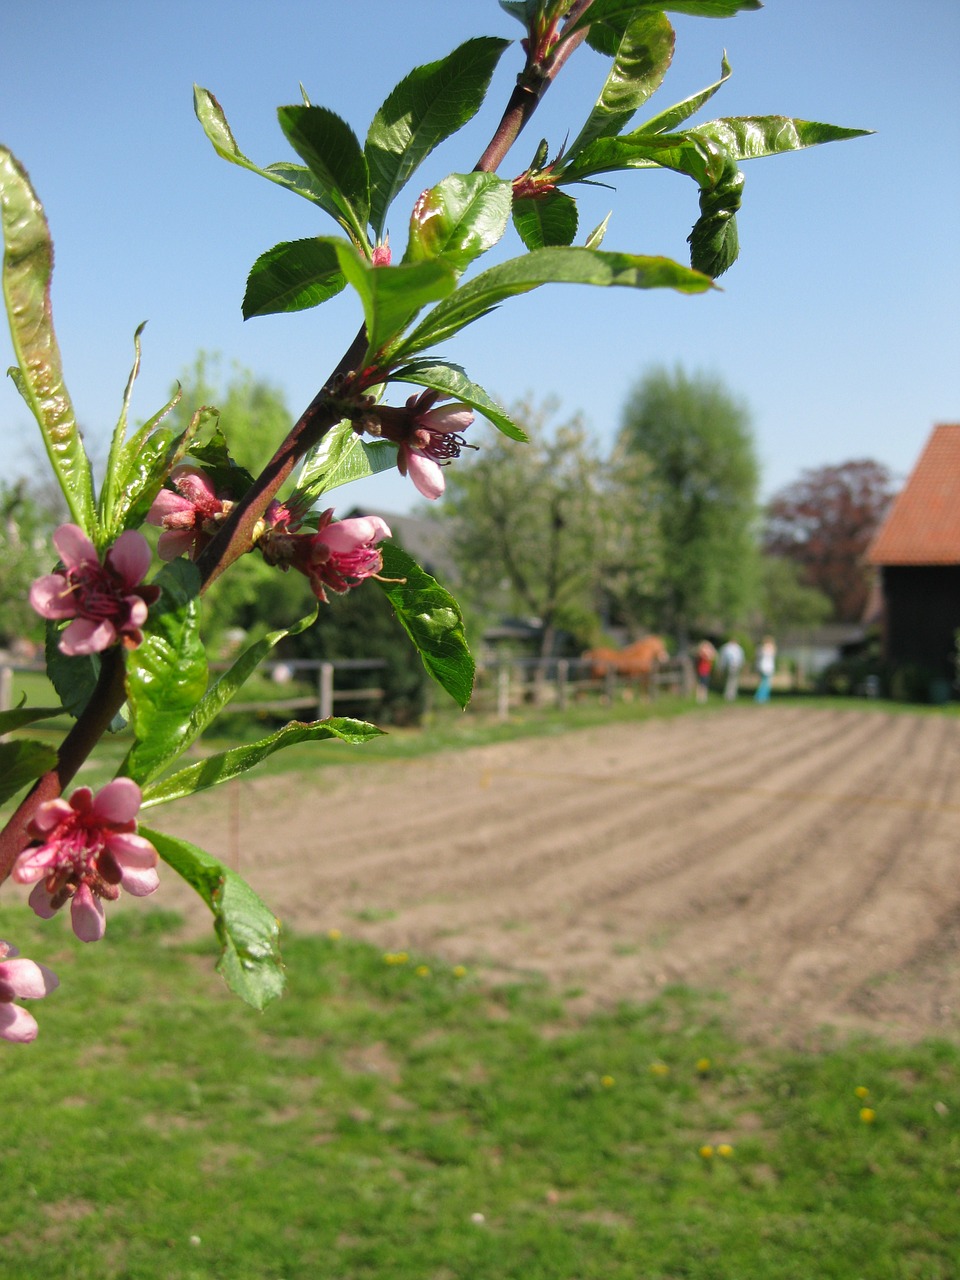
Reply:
x=88, y=849
x=21, y=980
x=433, y=439
x=381, y=255
x=338, y=556
x=190, y=516
x=100, y=598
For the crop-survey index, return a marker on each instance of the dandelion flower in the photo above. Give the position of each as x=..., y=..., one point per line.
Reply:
x=703, y=1065
x=867, y=1115
x=862, y=1091
x=459, y=971
x=706, y=1151
x=725, y=1150
x=607, y=1081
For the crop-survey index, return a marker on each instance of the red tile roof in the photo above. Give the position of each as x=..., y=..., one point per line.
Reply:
x=923, y=526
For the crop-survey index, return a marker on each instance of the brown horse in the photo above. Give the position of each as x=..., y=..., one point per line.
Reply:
x=636, y=659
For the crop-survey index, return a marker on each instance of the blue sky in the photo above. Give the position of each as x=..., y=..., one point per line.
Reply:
x=838, y=326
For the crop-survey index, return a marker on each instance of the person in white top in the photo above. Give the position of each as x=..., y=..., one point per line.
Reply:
x=766, y=666
x=731, y=659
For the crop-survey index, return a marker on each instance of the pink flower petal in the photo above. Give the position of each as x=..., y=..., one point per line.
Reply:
x=33, y=864
x=171, y=508
x=39, y=902
x=26, y=980
x=84, y=636
x=130, y=557
x=347, y=535
x=448, y=418
x=175, y=542
x=195, y=486
x=86, y=915
x=116, y=802
x=17, y=1025
x=50, y=814
x=74, y=546
x=139, y=880
x=131, y=850
x=426, y=475
x=52, y=597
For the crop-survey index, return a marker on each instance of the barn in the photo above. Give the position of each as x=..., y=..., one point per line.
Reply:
x=917, y=553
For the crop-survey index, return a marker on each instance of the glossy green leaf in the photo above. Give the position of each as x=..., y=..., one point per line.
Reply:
x=550, y=219
x=427, y=106
x=208, y=447
x=608, y=19
x=333, y=156
x=391, y=296
x=641, y=61
x=108, y=495
x=20, y=717
x=340, y=458
x=291, y=277
x=458, y=219
x=572, y=265
x=226, y=686
x=167, y=674
x=750, y=137
x=595, y=239
x=450, y=379
x=714, y=242
x=147, y=459
x=698, y=157
x=22, y=762
x=292, y=176
x=433, y=621
x=74, y=679
x=231, y=764
x=27, y=268
x=674, y=116
x=248, y=932
x=523, y=10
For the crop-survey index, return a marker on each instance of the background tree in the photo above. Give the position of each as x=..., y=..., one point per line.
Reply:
x=698, y=440
x=547, y=529
x=26, y=524
x=824, y=522
x=785, y=601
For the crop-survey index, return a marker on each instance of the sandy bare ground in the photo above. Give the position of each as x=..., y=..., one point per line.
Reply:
x=804, y=863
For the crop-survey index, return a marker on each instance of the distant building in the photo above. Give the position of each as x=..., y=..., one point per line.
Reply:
x=917, y=551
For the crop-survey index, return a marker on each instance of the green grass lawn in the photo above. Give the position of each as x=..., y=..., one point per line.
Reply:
x=392, y=1118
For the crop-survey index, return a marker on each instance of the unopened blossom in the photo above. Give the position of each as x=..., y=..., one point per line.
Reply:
x=337, y=556
x=86, y=850
x=189, y=514
x=21, y=980
x=435, y=438
x=381, y=255
x=107, y=602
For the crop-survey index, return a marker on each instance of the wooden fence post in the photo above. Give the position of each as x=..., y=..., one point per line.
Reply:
x=325, y=691
x=563, y=671
x=503, y=691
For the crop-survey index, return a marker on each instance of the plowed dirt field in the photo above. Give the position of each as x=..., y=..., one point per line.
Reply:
x=802, y=862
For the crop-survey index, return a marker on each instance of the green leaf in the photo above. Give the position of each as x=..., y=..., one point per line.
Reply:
x=74, y=679
x=292, y=176
x=441, y=375
x=20, y=717
x=27, y=268
x=427, y=106
x=675, y=115
x=546, y=266
x=334, y=157
x=147, y=459
x=714, y=242
x=608, y=19
x=750, y=137
x=523, y=10
x=226, y=686
x=433, y=621
x=208, y=447
x=231, y=764
x=291, y=277
x=391, y=296
x=458, y=219
x=550, y=219
x=698, y=157
x=341, y=457
x=22, y=762
x=248, y=932
x=167, y=674
x=595, y=239
x=108, y=496
x=641, y=62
